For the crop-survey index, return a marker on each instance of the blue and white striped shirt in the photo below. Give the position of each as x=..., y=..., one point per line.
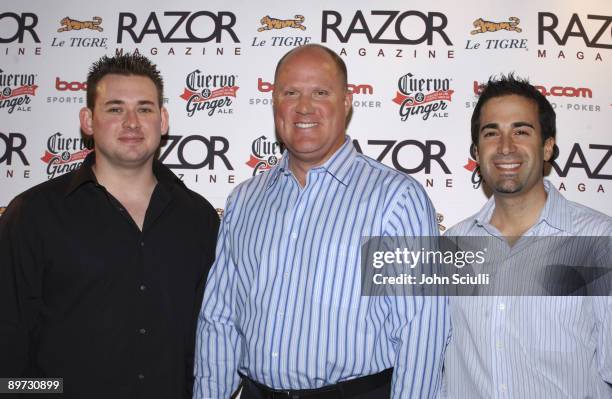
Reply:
x=283, y=303
x=532, y=347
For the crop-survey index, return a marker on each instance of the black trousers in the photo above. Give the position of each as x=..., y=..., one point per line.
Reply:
x=253, y=390
x=383, y=392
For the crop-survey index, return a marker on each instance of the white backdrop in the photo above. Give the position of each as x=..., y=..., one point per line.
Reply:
x=217, y=55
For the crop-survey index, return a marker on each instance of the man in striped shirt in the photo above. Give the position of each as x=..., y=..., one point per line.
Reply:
x=526, y=347
x=283, y=305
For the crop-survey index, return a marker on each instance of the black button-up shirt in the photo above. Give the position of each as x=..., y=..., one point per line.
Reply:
x=86, y=296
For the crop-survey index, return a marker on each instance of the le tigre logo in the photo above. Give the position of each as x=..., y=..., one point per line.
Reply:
x=69, y=24
x=496, y=41
x=269, y=23
x=483, y=26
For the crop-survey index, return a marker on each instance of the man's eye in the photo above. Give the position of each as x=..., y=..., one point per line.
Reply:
x=522, y=133
x=489, y=133
x=289, y=93
x=114, y=110
x=145, y=110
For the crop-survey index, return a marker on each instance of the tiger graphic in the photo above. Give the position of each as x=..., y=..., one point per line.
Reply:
x=274, y=23
x=488, y=26
x=72, y=24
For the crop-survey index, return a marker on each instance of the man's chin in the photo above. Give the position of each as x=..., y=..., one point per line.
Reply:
x=508, y=188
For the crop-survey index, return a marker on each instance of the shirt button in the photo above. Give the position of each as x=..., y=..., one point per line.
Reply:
x=274, y=354
x=499, y=345
x=503, y=387
x=294, y=235
x=502, y=306
x=141, y=376
x=142, y=243
x=142, y=331
x=142, y=287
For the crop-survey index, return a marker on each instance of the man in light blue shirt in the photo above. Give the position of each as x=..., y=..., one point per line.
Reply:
x=526, y=347
x=283, y=304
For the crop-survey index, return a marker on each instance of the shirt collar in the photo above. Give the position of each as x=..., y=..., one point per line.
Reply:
x=554, y=210
x=339, y=165
x=555, y=207
x=85, y=174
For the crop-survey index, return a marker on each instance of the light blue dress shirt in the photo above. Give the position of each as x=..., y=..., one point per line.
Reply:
x=531, y=347
x=283, y=301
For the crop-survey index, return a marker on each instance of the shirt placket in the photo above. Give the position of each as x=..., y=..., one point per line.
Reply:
x=142, y=328
x=290, y=265
x=501, y=350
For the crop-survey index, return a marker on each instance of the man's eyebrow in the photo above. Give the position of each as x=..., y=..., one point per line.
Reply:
x=491, y=125
x=522, y=124
x=121, y=102
x=494, y=125
x=114, y=102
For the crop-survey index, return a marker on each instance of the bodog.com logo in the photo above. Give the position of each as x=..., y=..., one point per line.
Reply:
x=209, y=93
x=65, y=154
x=574, y=94
x=16, y=91
x=423, y=97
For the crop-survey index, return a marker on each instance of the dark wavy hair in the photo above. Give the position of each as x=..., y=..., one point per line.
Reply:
x=124, y=64
x=507, y=85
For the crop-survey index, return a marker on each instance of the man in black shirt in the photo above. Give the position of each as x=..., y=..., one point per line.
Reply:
x=102, y=269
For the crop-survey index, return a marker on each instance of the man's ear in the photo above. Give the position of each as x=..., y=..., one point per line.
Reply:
x=549, y=148
x=165, y=121
x=86, y=120
x=348, y=102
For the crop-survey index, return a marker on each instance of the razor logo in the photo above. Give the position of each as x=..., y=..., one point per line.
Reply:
x=404, y=153
x=25, y=23
x=176, y=156
x=13, y=144
x=577, y=160
x=214, y=24
x=392, y=30
x=548, y=22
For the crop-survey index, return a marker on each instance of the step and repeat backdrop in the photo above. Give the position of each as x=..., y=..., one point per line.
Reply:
x=415, y=69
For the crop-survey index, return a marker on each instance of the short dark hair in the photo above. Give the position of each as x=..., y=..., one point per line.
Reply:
x=124, y=64
x=340, y=65
x=508, y=85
